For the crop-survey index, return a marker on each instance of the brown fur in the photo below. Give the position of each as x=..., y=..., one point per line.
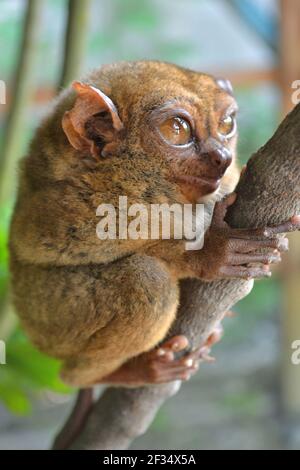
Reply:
x=94, y=303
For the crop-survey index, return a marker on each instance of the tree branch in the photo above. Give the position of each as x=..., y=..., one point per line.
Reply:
x=75, y=40
x=14, y=127
x=268, y=193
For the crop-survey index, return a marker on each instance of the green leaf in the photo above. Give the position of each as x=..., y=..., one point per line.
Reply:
x=31, y=365
x=27, y=370
x=15, y=399
x=13, y=393
x=4, y=224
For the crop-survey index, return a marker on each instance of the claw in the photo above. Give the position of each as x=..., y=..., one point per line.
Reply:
x=291, y=225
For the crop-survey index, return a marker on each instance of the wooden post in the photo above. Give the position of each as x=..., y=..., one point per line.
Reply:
x=290, y=71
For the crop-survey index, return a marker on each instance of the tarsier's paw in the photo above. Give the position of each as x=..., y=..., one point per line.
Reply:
x=250, y=252
x=184, y=368
x=160, y=365
x=164, y=367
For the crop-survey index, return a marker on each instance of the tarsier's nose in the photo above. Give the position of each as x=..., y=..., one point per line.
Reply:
x=219, y=156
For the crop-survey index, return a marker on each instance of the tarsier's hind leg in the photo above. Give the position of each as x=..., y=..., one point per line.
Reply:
x=156, y=366
x=103, y=360
x=141, y=305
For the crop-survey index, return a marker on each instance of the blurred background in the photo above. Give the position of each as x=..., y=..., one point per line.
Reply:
x=250, y=398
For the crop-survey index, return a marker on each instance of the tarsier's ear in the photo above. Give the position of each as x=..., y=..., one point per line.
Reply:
x=93, y=121
x=225, y=85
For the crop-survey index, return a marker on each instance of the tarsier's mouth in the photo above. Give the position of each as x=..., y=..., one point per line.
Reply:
x=199, y=182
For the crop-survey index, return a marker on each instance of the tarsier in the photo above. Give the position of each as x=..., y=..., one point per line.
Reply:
x=156, y=133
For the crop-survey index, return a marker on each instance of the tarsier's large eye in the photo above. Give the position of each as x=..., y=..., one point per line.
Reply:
x=176, y=131
x=227, y=126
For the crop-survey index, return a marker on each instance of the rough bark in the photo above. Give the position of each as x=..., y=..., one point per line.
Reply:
x=269, y=193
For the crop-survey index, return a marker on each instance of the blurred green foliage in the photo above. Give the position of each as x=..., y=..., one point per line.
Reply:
x=249, y=403
x=263, y=302
x=258, y=118
x=4, y=218
x=27, y=370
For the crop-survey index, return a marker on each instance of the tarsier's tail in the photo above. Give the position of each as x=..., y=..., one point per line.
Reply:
x=76, y=420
